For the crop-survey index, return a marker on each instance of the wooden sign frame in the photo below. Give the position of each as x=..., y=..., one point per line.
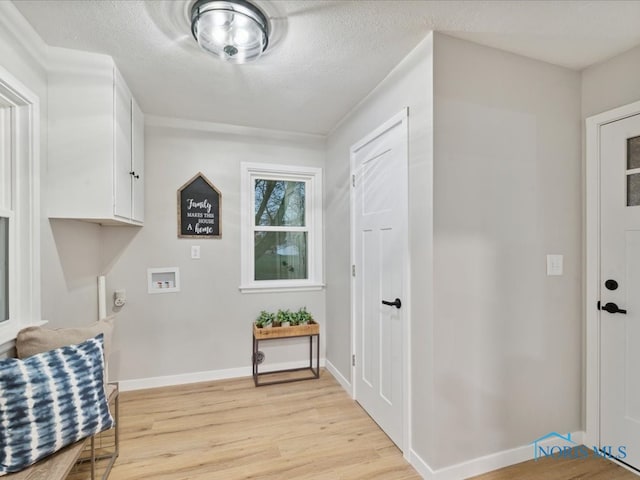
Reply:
x=206, y=202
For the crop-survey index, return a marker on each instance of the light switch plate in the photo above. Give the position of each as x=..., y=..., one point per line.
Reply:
x=555, y=265
x=195, y=252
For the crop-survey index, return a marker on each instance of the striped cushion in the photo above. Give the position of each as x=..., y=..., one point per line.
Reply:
x=49, y=401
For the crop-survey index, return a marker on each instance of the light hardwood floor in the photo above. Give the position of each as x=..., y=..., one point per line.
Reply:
x=231, y=430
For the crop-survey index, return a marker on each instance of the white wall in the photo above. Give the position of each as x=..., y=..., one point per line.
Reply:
x=70, y=251
x=507, y=191
x=207, y=325
x=611, y=84
x=496, y=344
x=408, y=85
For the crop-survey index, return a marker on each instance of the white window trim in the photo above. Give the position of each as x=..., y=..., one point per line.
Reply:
x=313, y=178
x=4, y=213
x=24, y=241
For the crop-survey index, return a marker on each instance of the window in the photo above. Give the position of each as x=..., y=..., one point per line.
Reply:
x=19, y=209
x=633, y=172
x=281, y=227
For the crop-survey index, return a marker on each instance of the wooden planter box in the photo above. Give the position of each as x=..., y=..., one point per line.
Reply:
x=312, y=328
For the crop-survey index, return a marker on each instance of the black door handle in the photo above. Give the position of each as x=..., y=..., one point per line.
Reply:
x=613, y=308
x=396, y=303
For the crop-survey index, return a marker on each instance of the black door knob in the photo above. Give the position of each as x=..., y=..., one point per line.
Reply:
x=396, y=303
x=613, y=308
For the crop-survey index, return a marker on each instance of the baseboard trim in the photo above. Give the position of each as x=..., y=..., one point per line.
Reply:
x=420, y=465
x=206, y=376
x=344, y=383
x=481, y=465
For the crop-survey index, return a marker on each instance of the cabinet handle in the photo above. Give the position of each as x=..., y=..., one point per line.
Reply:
x=134, y=175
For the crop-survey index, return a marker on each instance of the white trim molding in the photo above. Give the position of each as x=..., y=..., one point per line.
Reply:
x=344, y=383
x=206, y=376
x=156, y=121
x=485, y=464
x=592, y=274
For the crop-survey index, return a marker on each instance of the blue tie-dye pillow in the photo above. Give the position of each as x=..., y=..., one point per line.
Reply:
x=49, y=401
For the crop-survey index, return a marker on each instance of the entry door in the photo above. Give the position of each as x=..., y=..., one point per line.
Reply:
x=380, y=252
x=620, y=288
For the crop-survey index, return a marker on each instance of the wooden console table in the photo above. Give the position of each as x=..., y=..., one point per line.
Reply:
x=310, y=330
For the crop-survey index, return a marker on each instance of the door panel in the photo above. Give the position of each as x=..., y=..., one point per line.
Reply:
x=122, y=161
x=137, y=161
x=632, y=333
x=391, y=348
x=620, y=261
x=370, y=339
x=380, y=254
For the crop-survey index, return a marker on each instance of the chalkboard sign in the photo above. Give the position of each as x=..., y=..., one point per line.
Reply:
x=199, y=209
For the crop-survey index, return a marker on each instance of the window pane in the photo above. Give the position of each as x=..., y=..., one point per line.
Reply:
x=633, y=153
x=280, y=255
x=4, y=269
x=279, y=203
x=633, y=190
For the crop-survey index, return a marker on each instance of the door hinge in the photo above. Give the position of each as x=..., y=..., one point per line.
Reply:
x=353, y=360
x=353, y=270
x=353, y=180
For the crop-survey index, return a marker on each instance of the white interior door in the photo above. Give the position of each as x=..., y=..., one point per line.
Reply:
x=380, y=253
x=620, y=289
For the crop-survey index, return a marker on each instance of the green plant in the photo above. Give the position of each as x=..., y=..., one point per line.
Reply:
x=283, y=316
x=265, y=318
x=302, y=316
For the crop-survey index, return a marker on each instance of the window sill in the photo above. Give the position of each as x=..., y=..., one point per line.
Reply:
x=313, y=287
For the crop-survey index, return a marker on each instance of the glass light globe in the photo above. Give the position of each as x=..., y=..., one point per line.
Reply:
x=235, y=31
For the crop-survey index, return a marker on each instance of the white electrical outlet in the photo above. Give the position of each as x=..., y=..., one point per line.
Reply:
x=195, y=252
x=554, y=265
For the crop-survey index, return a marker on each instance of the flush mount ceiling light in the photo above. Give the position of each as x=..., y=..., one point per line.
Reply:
x=234, y=30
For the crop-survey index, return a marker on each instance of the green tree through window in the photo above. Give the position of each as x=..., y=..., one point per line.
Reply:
x=280, y=234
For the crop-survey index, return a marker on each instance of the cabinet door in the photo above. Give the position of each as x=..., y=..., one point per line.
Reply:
x=138, y=162
x=122, y=162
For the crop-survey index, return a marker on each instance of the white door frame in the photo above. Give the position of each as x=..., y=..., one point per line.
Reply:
x=592, y=253
x=400, y=117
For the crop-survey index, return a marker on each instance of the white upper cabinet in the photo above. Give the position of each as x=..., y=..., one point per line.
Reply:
x=96, y=142
x=137, y=162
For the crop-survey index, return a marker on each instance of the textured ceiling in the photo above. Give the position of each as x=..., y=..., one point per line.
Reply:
x=325, y=55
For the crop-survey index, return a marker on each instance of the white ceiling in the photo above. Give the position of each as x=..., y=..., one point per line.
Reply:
x=325, y=56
